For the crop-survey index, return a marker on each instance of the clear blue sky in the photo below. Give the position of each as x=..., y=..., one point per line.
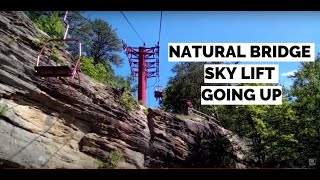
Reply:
x=215, y=26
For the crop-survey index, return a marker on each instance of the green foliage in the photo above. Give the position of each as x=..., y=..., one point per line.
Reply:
x=103, y=73
x=38, y=43
x=186, y=84
x=269, y=127
x=128, y=102
x=3, y=110
x=112, y=161
x=157, y=118
x=145, y=111
x=51, y=24
x=100, y=41
x=306, y=100
x=88, y=68
x=57, y=57
x=100, y=72
x=125, y=82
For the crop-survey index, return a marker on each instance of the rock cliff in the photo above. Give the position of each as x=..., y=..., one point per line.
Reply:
x=61, y=123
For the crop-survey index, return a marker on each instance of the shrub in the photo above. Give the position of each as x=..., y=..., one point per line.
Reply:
x=145, y=111
x=87, y=67
x=52, y=25
x=125, y=82
x=103, y=73
x=128, y=102
x=57, y=57
x=38, y=43
x=100, y=72
x=112, y=161
x=157, y=118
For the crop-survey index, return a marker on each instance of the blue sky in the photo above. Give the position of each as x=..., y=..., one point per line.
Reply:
x=215, y=26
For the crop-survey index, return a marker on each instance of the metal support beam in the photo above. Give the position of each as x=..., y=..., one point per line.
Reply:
x=144, y=64
x=142, y=79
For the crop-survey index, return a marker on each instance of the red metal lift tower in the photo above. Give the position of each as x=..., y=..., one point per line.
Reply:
x=144, y=63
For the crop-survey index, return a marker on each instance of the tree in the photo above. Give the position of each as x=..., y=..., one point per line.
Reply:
x=186, y=84
x=99, y=40
x=127, y=82
x=270, y=128
x=306, y=96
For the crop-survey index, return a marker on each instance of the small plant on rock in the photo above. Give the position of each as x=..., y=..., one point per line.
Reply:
x=157, y=118
x=112, y=161
x=3, y=110
x=56, y=57
x=128, y=102
x=145, y=111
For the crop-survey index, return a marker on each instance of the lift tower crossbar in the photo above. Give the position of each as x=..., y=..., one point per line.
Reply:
x=144, y=63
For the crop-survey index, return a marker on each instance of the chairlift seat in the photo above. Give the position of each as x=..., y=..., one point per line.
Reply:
x=53, y=71
x=158, y=94
x=59, y=71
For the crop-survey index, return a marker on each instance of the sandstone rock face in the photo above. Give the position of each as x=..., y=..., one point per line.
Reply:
x=59, y=123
